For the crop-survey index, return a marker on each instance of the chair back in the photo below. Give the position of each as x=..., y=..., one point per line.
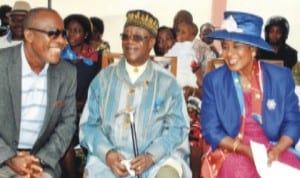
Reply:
x=214, y=63
x=108, y=58
x=170, y=63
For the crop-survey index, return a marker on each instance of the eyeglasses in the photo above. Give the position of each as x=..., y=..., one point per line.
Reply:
x=53, y=33
x=135, y=38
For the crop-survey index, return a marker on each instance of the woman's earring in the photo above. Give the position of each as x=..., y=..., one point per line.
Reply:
x=253, y=55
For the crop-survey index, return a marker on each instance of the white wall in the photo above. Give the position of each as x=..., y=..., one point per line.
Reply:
x=113, y=12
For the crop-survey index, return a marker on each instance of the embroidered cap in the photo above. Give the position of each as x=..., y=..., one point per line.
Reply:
x=144, y=19
x=241, y=27
x=20, y=7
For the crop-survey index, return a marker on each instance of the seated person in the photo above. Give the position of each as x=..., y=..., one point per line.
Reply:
x=15, y=33
x=183, y=49
x=276, y=34
x=165, y=39
x=185, y=53
x=204, y=48
x=85, y=58
x=248, y=100
x=4, y=10
x=37, y=105
x=182, y=16
x=97, y=33
x=129, y=86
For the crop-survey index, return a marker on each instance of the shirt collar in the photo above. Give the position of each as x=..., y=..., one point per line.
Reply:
x=135, y=72
x=26, y=69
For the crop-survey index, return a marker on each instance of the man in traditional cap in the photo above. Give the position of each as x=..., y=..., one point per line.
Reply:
x=16, y=18
x=136, y=91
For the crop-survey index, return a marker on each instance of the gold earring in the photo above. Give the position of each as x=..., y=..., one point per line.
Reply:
x=253, y=55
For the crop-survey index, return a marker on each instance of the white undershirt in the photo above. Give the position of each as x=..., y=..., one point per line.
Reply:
x=135, y=72
x=33, y=103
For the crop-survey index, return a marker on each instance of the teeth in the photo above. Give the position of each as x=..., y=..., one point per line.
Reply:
x=233, y=61
x=55, y=50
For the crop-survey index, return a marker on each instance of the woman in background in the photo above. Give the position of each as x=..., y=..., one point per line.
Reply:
x=82, y=55
x=97, y=33
x=165, y=39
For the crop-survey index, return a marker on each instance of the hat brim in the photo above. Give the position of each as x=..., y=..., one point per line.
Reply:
x=18, y=12
x=242, y=38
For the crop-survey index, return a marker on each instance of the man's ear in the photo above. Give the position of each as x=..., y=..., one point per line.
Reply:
x=152, y=42
x=28, y=36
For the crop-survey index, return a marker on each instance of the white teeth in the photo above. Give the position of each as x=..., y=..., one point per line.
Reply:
x=58, y=50
x=233, y=61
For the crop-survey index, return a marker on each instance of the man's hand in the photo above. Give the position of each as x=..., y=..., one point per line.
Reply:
x=26, y=165
x=113, y=160
x=36, y=170
x=20, y=163
x=142, y=163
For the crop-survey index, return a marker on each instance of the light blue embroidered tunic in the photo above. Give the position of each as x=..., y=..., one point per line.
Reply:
x=161, y=119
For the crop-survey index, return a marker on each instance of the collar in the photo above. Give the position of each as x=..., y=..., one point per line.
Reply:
x=26, y=69
x=135, y=72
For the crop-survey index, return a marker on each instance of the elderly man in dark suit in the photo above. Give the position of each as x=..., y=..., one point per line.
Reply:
x=37, y=106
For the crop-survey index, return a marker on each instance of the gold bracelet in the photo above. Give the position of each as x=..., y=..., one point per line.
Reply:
x=235, y=144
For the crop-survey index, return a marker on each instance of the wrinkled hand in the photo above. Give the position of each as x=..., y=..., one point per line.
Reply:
x=25, y=165
x=36, y=170
x=273, y=155
x=141, y=163
x=113, y=160
x=19, y=164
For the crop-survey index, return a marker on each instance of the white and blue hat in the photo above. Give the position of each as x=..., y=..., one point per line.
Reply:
x=241, y=27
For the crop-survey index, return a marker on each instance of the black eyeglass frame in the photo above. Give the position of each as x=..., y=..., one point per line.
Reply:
x=135, y=38
x=52, y=33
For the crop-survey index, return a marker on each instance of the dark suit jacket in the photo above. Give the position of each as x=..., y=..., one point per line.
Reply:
x=59, y=124
x=221, y=113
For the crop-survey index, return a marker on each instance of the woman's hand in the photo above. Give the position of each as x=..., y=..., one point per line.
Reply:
x=245, y=150
x=240, y=148
x=273, y=155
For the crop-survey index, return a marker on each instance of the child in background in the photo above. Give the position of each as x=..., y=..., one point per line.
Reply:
x=183, y=50
x=204, y=48
x=165, y=39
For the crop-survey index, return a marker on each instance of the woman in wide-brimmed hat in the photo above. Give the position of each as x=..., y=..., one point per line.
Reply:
x=248, y=100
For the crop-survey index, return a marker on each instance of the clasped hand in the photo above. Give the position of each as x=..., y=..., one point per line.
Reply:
x=25, y=165
x=138, y=164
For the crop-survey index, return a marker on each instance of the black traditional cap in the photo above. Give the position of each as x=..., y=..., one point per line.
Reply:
x=142, y=19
